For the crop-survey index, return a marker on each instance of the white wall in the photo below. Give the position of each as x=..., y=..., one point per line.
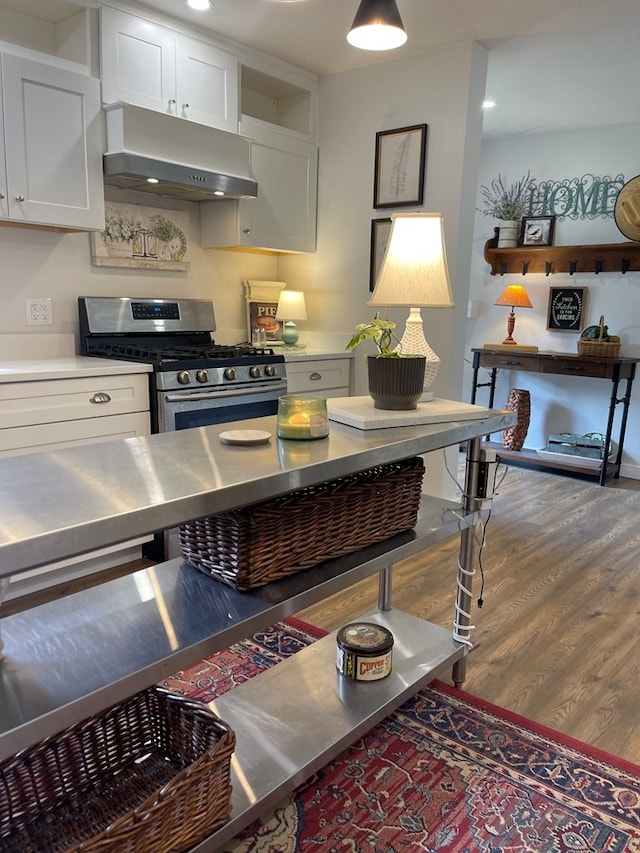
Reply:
x=560, y=404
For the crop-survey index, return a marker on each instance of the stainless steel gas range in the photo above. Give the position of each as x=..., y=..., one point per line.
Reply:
x=194, y=382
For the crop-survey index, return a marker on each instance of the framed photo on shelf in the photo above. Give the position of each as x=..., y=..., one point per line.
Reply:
x=566, y=309
x=400, y=166
x=380, y=231
x=537, y=230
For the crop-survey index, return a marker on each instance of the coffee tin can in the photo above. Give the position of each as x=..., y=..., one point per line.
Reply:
x=364, y=651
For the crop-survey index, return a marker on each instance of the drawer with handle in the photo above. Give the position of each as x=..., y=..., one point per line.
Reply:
x=318, y=376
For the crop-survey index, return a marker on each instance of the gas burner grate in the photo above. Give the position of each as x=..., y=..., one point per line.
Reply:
x=156, y=355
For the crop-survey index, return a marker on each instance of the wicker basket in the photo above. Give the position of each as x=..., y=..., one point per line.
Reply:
x=149, y=774
x=604, y=349
x=255, y=545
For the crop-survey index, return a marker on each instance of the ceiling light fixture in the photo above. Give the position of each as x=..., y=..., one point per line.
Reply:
x=199, y=5
x=377, y=26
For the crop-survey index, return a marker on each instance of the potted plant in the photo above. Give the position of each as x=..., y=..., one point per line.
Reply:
x=395, y=380
x=508, y=204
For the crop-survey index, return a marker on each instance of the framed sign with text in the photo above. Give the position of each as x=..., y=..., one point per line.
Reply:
x=566, y=309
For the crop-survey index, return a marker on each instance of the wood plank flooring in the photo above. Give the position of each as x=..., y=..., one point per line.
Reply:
x=558, y=637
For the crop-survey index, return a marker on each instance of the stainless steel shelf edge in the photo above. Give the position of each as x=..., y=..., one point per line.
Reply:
x=58, y=504
x=70, y=658
x=295, y=717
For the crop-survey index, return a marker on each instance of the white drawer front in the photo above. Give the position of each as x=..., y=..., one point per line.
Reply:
x=24, y=404
x=31, y=439
x=316, y=376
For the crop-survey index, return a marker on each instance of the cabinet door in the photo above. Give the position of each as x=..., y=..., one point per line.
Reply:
x=53, y=145
x=284, y=214
x=206, y=84
x=137, y=62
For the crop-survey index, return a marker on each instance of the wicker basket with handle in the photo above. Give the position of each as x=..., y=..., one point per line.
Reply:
x=151, y=773
x=255, y=545
x=606, y=349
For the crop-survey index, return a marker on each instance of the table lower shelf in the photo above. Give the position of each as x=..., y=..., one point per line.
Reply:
x=295, y=717
x=531, y=459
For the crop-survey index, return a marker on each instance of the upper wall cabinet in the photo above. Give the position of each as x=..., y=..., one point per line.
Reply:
x=154, y=67
x=51, y=165
x=283, y=216
x=273, y=102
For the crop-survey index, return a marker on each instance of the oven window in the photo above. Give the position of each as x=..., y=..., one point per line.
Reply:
x=224, y=414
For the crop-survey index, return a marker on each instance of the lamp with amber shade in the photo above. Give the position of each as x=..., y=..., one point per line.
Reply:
x=516, y=297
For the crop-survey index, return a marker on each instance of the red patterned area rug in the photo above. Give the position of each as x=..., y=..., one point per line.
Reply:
x=446, y=772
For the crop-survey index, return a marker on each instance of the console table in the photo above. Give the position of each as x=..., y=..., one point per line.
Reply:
x=616, y=370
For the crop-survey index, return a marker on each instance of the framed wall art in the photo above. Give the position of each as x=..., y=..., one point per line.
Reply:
x=537, y=230
x=141, y=237
x=566, y=309
x=380, y=231
x=400, y=166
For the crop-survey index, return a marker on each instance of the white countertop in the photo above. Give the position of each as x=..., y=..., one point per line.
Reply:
x=33, y=369
x=316, y=355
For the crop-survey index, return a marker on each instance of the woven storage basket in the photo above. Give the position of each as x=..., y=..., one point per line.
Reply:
x=605, y=349
x=255, y=545
x=88, y=790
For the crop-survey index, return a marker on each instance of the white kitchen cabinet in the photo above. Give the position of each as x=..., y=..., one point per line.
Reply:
x=310, y=374
x=153, y=66
x=283, y=216
x=51, y=166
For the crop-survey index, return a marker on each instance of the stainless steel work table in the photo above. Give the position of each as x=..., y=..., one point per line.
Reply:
x=72, y=657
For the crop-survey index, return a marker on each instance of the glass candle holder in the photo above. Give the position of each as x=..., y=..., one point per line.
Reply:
x=302, y=417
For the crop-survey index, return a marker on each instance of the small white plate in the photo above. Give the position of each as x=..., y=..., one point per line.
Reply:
x=245, y=436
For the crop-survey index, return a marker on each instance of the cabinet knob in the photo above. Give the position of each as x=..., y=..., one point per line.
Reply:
x=315, y=376
x=100, y=397
x=246, y=230
x=172, y=101
x=185, y=106
x=19, y=198
x=1, y=195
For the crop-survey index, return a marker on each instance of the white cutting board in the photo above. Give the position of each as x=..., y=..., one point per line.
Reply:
x=359, y=412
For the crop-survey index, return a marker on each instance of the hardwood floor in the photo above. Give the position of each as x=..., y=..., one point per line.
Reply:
x=557, y=637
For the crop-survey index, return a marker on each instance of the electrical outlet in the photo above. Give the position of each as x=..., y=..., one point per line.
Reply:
x=39, y=311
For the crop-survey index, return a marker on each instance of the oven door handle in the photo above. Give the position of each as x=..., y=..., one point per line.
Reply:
x=218, y=395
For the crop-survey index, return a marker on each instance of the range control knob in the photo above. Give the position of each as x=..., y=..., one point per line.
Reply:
x=270, y=370
x=183, y=377
x=254, y=372
x=229, y=373
x=202, y=376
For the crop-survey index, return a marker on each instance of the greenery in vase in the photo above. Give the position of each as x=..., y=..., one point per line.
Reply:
x=120, y=227
x=506, y=202
x=381, y=333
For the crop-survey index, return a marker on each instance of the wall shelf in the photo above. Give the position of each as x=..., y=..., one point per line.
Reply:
x=596, y=258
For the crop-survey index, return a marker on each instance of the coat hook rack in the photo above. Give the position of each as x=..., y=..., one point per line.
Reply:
x=624, y=267
x=525, y=267
x=598, y=267
x=547, y=267
x=573, y=265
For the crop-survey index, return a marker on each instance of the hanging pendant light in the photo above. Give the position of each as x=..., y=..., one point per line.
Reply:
x=377, y=26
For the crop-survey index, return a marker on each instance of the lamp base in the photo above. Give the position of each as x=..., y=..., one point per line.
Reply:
x=512, y=347
x=290, y=333
x=413, y=342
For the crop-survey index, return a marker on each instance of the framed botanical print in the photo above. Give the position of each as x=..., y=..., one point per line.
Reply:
x=400, y=166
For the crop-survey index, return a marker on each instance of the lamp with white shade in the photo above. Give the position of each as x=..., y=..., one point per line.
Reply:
x=414, y=273
x=291, y=307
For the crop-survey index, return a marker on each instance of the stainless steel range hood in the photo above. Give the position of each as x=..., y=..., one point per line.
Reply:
x=169, y=156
